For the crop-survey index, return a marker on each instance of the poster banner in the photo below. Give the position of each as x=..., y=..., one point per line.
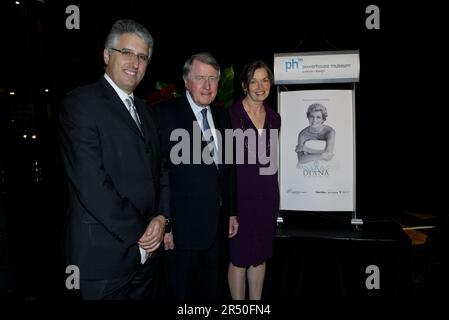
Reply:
x=317, y=150
x=316, y=67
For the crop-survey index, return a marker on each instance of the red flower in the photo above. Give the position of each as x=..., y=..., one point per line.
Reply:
x=164, y=93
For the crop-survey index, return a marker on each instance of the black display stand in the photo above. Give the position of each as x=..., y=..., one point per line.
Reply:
x=349, y=82
x=317, y=259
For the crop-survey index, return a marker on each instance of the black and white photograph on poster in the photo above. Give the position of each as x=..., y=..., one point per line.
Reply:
x=317, y=150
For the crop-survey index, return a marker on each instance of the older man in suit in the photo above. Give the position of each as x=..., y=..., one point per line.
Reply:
x=118, y=194
x=202, y=197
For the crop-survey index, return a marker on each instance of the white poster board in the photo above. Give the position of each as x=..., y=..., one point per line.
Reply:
x=310, y=178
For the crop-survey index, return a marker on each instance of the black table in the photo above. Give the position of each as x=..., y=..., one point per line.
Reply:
x=329, y=259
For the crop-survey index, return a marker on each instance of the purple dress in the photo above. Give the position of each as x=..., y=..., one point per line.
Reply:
x=257, y=196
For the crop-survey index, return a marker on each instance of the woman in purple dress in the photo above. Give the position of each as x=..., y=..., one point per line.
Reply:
x=257, y=187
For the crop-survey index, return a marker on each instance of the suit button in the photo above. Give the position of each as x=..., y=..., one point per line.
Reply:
x=147, y=150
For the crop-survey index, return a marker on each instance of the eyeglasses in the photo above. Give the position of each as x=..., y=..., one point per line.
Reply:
x=129, y=55
x=205, y=78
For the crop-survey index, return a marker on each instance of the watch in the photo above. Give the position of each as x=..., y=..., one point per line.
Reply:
x=167, y=225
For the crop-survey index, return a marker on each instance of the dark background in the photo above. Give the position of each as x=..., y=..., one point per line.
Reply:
x=400, y=116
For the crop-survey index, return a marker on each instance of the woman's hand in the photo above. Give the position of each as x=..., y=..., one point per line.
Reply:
x=327, y=155
x=233, y=226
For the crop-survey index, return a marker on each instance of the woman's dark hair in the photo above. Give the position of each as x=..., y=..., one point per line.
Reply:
x=248, y=72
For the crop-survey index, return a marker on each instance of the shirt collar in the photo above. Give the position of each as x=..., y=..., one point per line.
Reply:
x=195, y=108
x=122, y=94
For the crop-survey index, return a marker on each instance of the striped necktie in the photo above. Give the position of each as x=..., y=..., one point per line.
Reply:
x=207, y=132
x=132, y=110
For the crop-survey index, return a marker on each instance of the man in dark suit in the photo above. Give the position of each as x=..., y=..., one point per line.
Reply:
x=201, y=190
x=118, y=193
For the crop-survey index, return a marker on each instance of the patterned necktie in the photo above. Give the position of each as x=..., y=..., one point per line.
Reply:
x=208, y=134
x=132, y=110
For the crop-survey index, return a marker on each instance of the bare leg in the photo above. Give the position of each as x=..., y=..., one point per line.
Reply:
x=237, y=282
x=256, y=276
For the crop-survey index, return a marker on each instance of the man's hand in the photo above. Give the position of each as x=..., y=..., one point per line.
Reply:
x=233, y=226
x=169, y=244
x=152, y=238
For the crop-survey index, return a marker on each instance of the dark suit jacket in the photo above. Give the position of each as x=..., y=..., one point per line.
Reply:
x=115, y=180
x=198, y=192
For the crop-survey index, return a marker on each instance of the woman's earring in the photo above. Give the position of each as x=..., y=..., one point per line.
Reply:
x=245, y=91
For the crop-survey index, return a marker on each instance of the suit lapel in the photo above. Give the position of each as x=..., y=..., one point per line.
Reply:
x=148, y=128
x=216, y=119
x=118, y=107
x=188, y=119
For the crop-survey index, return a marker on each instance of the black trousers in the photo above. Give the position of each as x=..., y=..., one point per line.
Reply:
x=141, y=284
x=199, y=274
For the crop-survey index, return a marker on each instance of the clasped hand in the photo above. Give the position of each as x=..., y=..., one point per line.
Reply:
x=153, y=235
